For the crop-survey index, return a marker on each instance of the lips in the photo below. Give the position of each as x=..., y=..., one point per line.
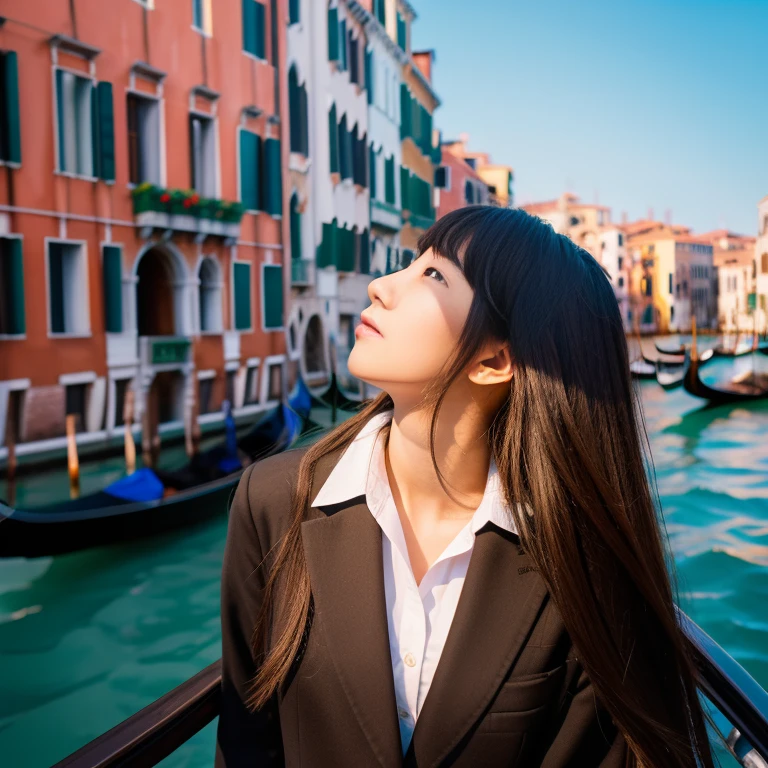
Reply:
x=369, y=322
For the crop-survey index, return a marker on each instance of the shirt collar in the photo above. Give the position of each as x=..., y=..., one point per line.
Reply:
x=358, y=472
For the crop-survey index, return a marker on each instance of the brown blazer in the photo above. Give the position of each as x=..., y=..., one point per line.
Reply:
x=508, y=689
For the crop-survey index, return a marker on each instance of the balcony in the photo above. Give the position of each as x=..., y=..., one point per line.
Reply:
x=164, y=351
x=185, y=211
x=386, y=215
x=302, y=272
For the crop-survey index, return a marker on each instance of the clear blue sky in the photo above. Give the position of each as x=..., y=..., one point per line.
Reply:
x=661, y=104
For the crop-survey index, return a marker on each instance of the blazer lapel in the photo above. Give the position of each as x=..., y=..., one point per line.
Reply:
x=342, y=545
x=498, y=606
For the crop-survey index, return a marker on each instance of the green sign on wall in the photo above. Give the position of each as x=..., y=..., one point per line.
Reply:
x=751, y=302
x=169, y=351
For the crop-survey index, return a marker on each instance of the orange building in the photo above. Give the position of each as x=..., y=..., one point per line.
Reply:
x=456, y=180
x=141, y=199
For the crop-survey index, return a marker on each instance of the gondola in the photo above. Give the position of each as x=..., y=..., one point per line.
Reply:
x=155, y=732
x=745, y=389
x=670, y=374
x=334, y=395
x=679, y=351
x=641, y=369
x=740, y=350
x=139, y=507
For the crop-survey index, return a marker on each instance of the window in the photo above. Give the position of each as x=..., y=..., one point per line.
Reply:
x=293, y=11
x=143, y=139
x=402, y=32
x=380, y=11
x=621, y=263
x=202, y=142
x=389, y=180
x=354, y=60
x=241, y=290
x=197, y=14
x=10, y=129
x=469, y=192
x=764, y=264
x=252, y=385
x=254, y=37
x=272, y=296
x=621, y=282
x=12, y=317
x=210, y=296
x=205, y=390
x=298, y=112
x=295, y=227
x=670, y=282
x=333, y=35
x=345, y=149
x=621, y=239
x=75, y=397
x=67, y=288
x=121, y=390
x=333, y=139
x=250, y=156
x=443, y=178
x=74, y=111
x=275, y=382
x=372, y=170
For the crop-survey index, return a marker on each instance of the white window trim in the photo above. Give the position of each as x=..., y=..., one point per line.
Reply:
x=214, y=118
x=67, y=335
x=85, y=377
x=264, y=328
x=209, y=373
x=158, y=97
x=56, y=156
x=232, y=310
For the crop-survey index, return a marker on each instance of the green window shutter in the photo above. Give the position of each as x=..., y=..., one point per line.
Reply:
x=326, y=254
x=294, y=110
x=249, y=26
x=333, y=34
x=295, y=229
x=112, y=268
x=381, y=12
x=197, y=13
x=293, y=12
x=261, y=31
x=55, y=288
x=333, y=139
x=343, y=44
x=60, y=118
x=369, y=75
x=405, y=111
x=273, y=183
x=250, y=149
x=12, y=316
x=95, y=137
x=372, y=171
x=241, y=276
x=272, y=300
x=11, y=130
x=405, y=183
x=401, y=35
x=365, y=253
x=304, y=113
x=104, y=161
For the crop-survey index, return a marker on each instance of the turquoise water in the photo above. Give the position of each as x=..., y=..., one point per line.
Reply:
x=88, y=639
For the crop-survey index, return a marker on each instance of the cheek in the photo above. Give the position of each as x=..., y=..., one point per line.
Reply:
x=416, y=347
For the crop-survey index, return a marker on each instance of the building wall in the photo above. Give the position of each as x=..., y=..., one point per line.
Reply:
x=43, y=203
x=761, y=263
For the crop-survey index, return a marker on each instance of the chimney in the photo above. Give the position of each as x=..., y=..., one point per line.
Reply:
x=668, y=217
x=623, y=217
x=650, y=214
x=423, y=61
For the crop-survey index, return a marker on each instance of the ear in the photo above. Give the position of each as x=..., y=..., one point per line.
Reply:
x=494, y=365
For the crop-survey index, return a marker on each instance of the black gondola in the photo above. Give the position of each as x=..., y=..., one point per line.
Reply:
x=740, y=350
x=641, y=369
x=746, y=389
x=670, y=374
x=102, y=518
x=155, y=732
x=342, y=402
x=679, y=351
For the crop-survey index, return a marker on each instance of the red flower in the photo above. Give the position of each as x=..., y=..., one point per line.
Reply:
x=188, y=202
x=165, y=198
x=195, y=199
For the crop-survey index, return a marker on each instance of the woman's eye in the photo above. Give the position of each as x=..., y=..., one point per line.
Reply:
x=432, y=269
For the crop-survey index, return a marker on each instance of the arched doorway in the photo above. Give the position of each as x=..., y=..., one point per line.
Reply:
x=161, y=293
x=314, y=348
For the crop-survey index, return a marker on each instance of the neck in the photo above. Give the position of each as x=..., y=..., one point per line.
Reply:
x=462, y=453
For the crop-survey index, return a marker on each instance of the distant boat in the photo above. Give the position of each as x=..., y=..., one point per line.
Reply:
x=670, y=374
x=139, y=506
x=679, y=350
x=641, y=369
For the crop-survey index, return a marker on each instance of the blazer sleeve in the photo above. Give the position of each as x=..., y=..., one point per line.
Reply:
x=587, y=736
x=244, y=738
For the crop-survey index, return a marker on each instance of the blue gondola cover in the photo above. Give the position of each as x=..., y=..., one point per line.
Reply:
x=142, y=485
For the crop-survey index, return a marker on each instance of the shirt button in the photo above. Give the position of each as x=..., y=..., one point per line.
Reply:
x=409, y=660
x=403, y=713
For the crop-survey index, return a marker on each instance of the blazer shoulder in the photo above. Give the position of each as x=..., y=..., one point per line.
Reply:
x=269, y=486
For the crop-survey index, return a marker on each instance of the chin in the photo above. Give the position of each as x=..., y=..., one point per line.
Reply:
x=368, y=373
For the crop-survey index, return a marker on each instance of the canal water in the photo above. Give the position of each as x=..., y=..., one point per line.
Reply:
x=88, y=639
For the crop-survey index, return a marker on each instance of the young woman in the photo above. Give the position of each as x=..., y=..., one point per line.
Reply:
x=470, y=570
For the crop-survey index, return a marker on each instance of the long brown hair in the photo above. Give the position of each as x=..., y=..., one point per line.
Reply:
x=571, y=448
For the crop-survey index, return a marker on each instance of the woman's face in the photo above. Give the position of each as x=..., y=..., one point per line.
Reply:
x=420, y=312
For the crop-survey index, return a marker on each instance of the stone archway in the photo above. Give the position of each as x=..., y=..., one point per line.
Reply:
x=162, y=292
x=314, y=347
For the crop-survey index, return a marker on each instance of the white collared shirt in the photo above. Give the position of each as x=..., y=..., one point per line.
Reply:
x=418, y=615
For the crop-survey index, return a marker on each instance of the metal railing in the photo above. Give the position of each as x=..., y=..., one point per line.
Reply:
x=156, y=731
